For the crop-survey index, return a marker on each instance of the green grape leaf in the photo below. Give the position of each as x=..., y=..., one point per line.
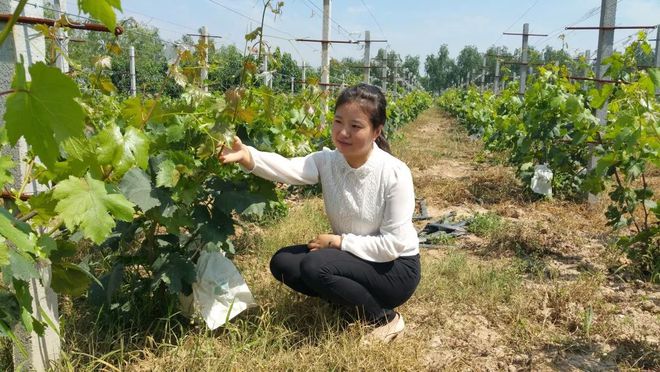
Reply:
x=43, y=117
x=136, y=186
x=598, y=97
x=102, y=10
x=135, y=111
x=24, y=298
x=99, y=295
x=245, y=203
x=9, y=308
x=174, y=270
x=69, y=279
x=654, y=74
x=253, y=35
x=214, y=225
x=21, y=265
x=123, y=151
x=87, y=203
x=6, y=165
x=4, y=254
x=16, y=232
x=103, y=83
x=44, y=205
x=168, y=175
x=46, y=245
x=65, y=248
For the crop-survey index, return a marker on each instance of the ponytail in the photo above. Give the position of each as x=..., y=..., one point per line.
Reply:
x=382, y=143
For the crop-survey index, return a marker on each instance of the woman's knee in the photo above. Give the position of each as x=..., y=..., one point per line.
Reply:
x=315, y=267
x=310, y=266
x=285, y=262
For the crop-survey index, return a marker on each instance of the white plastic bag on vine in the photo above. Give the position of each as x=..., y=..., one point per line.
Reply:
x=542, y=180
x=220, y=292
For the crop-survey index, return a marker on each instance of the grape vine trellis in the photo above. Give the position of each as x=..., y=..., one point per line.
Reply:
x=137, y=178
x=554, y=124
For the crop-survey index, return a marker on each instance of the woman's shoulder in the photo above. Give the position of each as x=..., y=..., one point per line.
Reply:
x=323, y=157
x=394, y=167
x=392, y=162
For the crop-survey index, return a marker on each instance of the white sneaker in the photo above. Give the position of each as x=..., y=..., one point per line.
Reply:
x=386, y=332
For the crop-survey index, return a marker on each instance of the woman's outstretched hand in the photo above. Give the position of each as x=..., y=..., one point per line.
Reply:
x=325, y=241
x=238, y=153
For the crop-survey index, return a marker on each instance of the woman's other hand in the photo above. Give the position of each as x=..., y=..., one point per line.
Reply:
x=238, y=153
x=325, y=241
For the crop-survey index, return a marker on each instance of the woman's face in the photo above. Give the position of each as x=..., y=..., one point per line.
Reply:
x=352, y=133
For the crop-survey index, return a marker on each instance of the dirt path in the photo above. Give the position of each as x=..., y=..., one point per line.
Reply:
x=537, y=291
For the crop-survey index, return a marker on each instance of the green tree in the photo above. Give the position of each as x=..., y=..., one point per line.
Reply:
x=150, y=61
x=285, y=67
x=469, y=63
x=439, y=69
x=412, y=64
x=225, y=66
x=491, y=58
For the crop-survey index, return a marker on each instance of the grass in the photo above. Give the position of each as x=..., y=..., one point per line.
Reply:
x=485, y=224
x=5, y=355
x=441, y=239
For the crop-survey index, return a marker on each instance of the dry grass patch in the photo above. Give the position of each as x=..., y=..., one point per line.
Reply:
x=433, y=136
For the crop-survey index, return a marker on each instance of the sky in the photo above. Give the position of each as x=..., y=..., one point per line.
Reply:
x=412, y=27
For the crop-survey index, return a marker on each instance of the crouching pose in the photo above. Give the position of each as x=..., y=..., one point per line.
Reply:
x=371, y=260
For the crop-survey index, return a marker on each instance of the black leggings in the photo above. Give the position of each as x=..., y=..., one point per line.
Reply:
x=375, y=288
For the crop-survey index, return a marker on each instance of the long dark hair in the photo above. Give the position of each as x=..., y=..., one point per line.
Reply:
x=372, y=101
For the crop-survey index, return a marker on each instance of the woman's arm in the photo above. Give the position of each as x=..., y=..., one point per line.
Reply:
x=238, y=153
x=272, y=166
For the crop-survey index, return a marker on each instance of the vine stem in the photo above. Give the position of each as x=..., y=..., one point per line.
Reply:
x=646, y=212
x=261, y=32
x=618, y=181
x=10, y=25
x=161, y=91
x=26, y=180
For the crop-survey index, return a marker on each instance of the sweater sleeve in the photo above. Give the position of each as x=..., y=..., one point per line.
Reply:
x=292, y=171
x=396, y=231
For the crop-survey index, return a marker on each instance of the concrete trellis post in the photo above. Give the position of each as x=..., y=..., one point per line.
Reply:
x=132, y=71
x=204, y=72
x=587, y=58
x=61, y=62
x=395, y=79
x=325, y=56
x=293, y=81
x=383, y=76
x=367, y=57
x=657, y=55
x=496, y=78
x=28, y=44
x=524, y=59
x=605, y=48
x=304, y=74
x=268, y=78
x=483, y=74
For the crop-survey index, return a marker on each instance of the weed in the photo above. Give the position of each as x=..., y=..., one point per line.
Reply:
x=484, y=224
x=442, y=239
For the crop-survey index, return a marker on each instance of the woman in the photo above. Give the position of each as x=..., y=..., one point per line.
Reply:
x=371, y=261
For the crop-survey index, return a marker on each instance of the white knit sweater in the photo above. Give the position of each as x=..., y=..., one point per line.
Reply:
x=371, y=207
